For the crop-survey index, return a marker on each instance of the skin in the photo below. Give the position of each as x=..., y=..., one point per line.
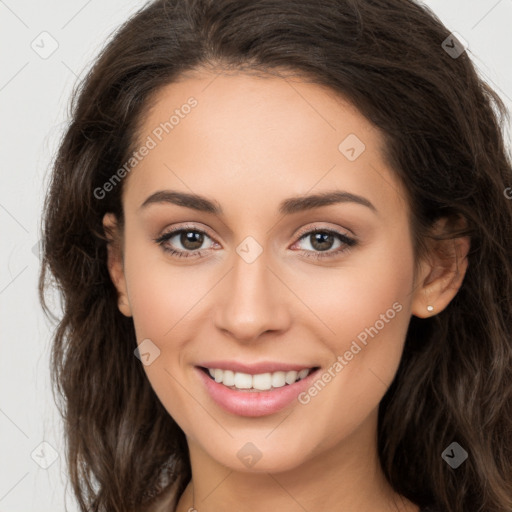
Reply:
x=250, y=143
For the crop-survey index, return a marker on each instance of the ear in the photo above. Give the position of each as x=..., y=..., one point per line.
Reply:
x=115, y=262
x=441, y=273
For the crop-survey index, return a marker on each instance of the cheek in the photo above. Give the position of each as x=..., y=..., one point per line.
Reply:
x=367, y=308
x=379, y=303
x=162, y=300
x=352, y=297
x=152, y=304
x=163, y=296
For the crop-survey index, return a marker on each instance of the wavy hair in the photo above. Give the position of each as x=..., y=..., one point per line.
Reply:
x=443, y=127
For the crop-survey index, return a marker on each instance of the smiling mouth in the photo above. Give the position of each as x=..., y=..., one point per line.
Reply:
x=240, y=381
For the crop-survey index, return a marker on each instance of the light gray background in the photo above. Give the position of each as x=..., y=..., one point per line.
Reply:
x=34, y=95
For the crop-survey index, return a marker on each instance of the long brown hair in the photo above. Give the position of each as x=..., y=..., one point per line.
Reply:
x=443, y=130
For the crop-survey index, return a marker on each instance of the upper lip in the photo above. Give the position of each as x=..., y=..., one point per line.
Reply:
x=255, y=368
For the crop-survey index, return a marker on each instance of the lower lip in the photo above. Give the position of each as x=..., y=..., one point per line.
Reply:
x=254, y=403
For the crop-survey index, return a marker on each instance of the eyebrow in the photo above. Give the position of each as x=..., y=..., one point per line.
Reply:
x=286, y=207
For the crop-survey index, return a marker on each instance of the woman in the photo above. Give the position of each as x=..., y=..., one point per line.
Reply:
x=282, y=236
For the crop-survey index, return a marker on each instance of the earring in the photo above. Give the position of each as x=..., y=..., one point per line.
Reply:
x=430, y=308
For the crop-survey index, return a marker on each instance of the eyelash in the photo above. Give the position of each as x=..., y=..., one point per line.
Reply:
x=318, y=255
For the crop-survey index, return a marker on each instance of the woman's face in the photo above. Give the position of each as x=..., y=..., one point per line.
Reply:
x=254, y=285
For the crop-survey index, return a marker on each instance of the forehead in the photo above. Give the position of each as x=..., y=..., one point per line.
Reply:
x=267, y=104
x=272, y=135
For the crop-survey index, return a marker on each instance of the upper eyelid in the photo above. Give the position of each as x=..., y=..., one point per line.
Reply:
x=174, y=231
x=312, y=229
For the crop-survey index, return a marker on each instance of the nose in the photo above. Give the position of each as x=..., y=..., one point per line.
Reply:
x=252, y=300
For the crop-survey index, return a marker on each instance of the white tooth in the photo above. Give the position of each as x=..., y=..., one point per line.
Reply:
x=303, y=373
x=278, y=379
x=243, y=380
x=262, y=381
x=291, y=377
x=228, y=378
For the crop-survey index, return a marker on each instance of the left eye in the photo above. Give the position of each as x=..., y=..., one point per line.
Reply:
x=321, y=240
x=190, y=239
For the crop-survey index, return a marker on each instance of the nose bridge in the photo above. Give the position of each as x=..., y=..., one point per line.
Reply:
x=252, y=301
